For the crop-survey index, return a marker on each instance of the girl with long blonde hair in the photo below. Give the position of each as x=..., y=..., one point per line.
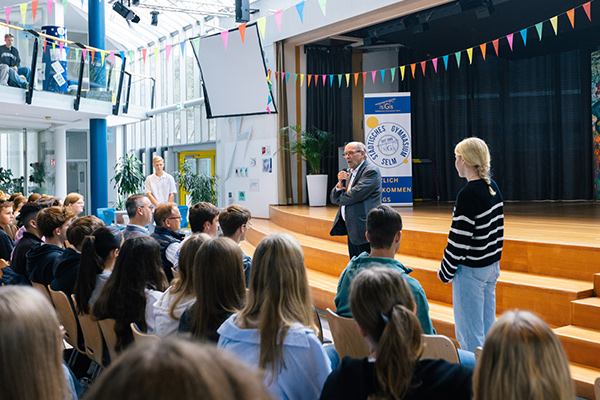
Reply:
x=276, y=330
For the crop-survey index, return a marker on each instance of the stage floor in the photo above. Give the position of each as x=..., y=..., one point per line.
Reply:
x=573, y=222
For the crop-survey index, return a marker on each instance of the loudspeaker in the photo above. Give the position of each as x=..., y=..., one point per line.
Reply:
x=242, y=10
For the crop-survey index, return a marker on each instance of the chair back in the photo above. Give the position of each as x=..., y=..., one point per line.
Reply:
x=107, y=215
x=43, y=290
x=66, y=314
x=439, y=346
x=141, y=337
x=319, y=325
x=347, y=338
x=183, y=210
x=107, y=326
x=91, y=336
x=477, y=352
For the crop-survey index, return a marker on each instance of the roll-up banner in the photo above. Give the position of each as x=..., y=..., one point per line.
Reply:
x=388, y=141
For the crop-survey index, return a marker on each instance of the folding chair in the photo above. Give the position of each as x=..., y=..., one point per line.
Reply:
x=107, y=326
x=92, y=336
x=347, y=338
x=43, y=290
x=141, y=337
x=439, y=346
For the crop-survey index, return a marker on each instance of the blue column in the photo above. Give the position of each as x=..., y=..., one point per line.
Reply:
x=98, y=151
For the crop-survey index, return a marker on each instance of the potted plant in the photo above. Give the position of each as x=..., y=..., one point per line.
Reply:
x=199, y=187
x=311, y=146
x=38, y=176
x=128, y=178
x=8, y=184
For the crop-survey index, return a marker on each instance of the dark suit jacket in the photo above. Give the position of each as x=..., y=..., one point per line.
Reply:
x=364, y=195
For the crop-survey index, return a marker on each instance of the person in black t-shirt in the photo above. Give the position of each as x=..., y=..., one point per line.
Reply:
x=17, y=76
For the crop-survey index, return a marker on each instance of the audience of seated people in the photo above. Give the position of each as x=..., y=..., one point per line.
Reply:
x=66, y=265
x=167, y=218
x=276, y=330
x=181, y=294
x=129, y=294
x=235, y=222
x=98, y=256
x=219, y=287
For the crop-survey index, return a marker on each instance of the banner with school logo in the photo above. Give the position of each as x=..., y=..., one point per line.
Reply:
x=388, y=141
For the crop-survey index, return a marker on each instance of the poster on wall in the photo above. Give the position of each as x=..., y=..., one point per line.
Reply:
x=388, y=141
x=596, y=122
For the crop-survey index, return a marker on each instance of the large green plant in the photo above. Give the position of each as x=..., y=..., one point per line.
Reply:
x=311, y=146
x=38, y=176
x=128, y=178
x=199, y=187
x=8, y=184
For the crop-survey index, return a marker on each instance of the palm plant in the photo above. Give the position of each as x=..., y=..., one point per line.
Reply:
x=311, y=146
x=128, y=178
x=199, y=187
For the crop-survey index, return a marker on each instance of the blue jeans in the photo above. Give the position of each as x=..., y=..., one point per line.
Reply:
x=474, y=300
x=15, y=80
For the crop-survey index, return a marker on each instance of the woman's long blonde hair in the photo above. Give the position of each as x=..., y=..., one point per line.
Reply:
x=476, y=154
x=522, y=359
x=383, y=306
x=30, y=347
x=278, y=297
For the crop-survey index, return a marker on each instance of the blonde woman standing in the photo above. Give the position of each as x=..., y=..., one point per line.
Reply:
x=471, y=258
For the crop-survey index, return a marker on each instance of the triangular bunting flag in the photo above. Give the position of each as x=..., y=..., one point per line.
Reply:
x=131, y=54
x=495, y=43
x=402, y=68
x=356, y=79
x=50, y=5
x=295, y=78
x=412, y=68
x=309, y=79
x=76, y=53
x=287, y=77
x=268, y=110
x=23, y=12
x=102, y=55
x=242, y=29
x=65, y=2
x=122, y=53
x=524, y=36
x=83, y=53
x=347, y=80
x=364, y=75
x=300, y=9
x=276, y=74
x=53, y=45
x=7, y=12
x=330, y=80
x=571, y=15
x=393, y=71
x=470, y=54
x=61, y=45
x=445, y=62
x=168, y=50
x=282, y=76
x=156, y=52
x=423, y=65
x=262, y=25
x=588, y=10
x=144, y=52
x=224, y=35
x=554, y=22
x=112, y=59
x=538, y=28
x=301, y=79
x=34, y=6
x=457, y=55
x=483, y=48
x=45, y=43
x=324, y=77
x=93, y=53
x=323, y=4
x=339, y=80
x=510, y=40
x=373, y=73
x=269, y=76
x=277, y=16
x=182, y=45
x=382, y=75
x=435, y=62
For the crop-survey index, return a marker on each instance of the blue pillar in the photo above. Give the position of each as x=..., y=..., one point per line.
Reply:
x=98, y=150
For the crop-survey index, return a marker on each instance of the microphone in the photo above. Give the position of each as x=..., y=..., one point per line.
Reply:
x=344, y=181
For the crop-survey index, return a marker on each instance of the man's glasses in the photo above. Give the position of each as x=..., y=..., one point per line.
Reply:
x=349, y=153
x=179, y=218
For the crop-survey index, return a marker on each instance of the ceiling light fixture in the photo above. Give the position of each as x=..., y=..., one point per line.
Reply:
x=125, y=12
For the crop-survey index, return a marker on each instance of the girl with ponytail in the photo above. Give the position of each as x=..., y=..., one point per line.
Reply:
x=98, y=256
x=472, y=256
x=383, y=307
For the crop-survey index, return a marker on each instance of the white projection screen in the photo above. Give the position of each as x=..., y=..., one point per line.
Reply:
x=235, y=79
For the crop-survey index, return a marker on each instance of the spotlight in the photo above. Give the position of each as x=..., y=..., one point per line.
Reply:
x=125, y=12
x=154, y=18
x=135, y=2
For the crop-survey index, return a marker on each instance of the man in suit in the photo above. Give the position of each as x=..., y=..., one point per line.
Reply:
x=357, y=192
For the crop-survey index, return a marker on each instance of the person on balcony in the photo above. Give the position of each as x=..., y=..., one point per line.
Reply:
x=17, y=76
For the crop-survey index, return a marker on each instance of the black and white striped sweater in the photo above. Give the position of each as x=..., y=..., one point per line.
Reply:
x=476, y=234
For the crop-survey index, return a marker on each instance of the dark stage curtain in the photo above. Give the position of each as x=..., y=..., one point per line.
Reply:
x=329, y=107
x=534, y=113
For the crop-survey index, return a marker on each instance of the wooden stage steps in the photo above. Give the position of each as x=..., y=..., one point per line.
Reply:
x=550, y=265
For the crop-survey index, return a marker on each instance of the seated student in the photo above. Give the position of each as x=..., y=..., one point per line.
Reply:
x=30, y=237
x=180, y=295
x=177, y=369
x=31, y=348
x=98, y=255
x=276, y=329
x=130, y=292
x=219, y=287
x=66, y=265
x=11, y=227
x=522, y=359
x=52, y=223
x=167, y=218
x=234, y=222
x=75, y=202
x=384, y=232
x=383, y=306
x=6, y=218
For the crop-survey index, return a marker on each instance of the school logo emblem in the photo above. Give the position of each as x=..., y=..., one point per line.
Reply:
x=388, y=143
